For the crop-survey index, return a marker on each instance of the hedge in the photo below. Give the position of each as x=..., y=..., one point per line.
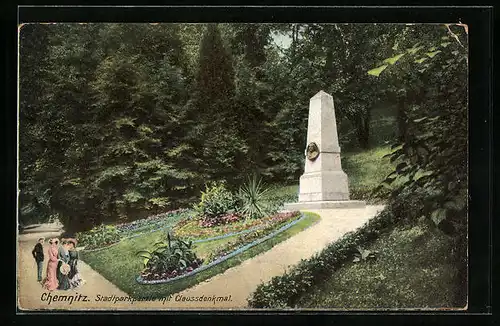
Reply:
x=285, y=290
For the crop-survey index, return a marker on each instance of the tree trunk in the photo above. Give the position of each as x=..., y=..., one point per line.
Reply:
x=362, y=124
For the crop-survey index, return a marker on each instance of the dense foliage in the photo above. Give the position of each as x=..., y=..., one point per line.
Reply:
x=98, y=237
x=168, y=259
x=431, y=155
x=286, y=290
x=121, y=121
x=426, y=76
x=215, y=202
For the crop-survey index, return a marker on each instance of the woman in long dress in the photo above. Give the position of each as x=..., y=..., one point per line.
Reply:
x=75, y=279
x=51, y=283
x=63, y=259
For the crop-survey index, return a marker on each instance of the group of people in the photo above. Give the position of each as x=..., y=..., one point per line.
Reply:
x=62, y=270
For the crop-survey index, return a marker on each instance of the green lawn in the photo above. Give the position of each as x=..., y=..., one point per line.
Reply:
x=366, y=170
x=414, y=269
x=121, y=266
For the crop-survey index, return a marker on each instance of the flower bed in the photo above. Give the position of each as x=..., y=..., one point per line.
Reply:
x=276, y=221
x=149, y=276
x=100, y=236
x=150, y=221
x=286, y=220
x=209, y=222
x=168, y=259
x=191, y=228
x=105, y=236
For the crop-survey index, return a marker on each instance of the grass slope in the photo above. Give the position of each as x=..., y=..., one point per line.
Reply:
x=414, y=269
x=366, y=170
x=120, y=265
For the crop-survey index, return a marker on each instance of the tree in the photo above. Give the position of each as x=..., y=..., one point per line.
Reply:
x=34, y=193
x=432, y=157
x=213, y=114
x=108, y=122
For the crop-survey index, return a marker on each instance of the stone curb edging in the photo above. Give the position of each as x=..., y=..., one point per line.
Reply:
x=140, y=280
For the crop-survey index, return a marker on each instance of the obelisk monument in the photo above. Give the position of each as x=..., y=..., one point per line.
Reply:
x=323, y=184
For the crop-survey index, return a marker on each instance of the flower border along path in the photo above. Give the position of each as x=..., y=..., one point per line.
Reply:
x=164, y=224
x=223, y=236
x=140, y=280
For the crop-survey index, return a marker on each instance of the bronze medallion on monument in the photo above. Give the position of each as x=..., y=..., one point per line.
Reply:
x=312, y=151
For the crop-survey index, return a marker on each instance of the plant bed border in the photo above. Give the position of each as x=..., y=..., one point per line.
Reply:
x=227, y=235
x=154, y=219
x=164, y=225
x=239, y=250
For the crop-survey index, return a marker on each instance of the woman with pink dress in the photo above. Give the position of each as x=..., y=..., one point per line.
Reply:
x=51, y=282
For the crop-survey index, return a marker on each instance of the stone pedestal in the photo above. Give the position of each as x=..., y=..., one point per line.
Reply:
x=323, y=184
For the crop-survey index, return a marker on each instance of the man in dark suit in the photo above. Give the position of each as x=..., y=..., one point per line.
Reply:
x=39, y=257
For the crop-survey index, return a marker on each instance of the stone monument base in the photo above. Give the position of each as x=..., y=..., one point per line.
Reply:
x=331, y=204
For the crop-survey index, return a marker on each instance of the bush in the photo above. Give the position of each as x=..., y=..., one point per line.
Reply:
x=169, y=259
x=284, y=291
x=98, y=237
x=215, y=201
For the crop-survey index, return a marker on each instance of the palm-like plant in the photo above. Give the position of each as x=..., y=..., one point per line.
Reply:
x=253, y=198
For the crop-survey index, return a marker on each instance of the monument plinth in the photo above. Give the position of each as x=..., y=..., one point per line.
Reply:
x=323, y=184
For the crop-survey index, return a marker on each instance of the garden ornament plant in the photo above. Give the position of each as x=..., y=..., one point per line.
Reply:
x=253, y=198
x=215, y=201
x=169, y=259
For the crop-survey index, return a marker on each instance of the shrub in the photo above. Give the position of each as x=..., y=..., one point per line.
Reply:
x=285, y=290
x=215, y=201
x=98, y=237
x=168, y=259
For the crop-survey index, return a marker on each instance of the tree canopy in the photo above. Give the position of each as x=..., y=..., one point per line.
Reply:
x=121, y=120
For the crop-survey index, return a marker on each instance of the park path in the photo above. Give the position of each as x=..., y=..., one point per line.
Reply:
x=238, y=282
